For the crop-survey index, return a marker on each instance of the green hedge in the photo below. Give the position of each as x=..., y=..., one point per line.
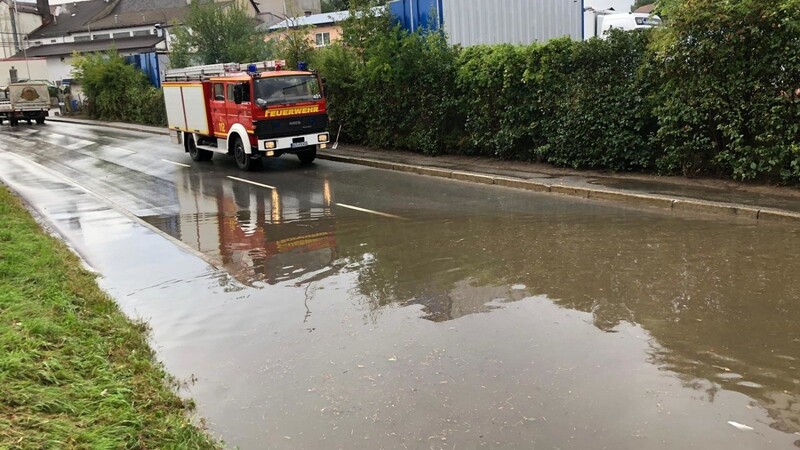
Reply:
x=711, y=93
x=118, y=91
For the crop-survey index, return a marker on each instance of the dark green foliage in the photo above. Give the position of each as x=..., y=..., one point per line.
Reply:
x=118, y=91
x=220, y=33
x=390, y=88
x=729, y=103
x=593, y=101
x=714, y=92
x=334, y=5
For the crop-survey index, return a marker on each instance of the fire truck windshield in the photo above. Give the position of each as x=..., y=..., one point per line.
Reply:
x=286, y=89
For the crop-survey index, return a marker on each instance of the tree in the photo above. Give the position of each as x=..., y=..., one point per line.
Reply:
x=294, y=45
x=217, y=33
x=335, y=5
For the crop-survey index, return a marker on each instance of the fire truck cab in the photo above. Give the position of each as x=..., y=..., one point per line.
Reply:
x=260, y=112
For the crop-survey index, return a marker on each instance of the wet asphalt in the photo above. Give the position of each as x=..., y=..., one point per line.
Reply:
x=337, y=306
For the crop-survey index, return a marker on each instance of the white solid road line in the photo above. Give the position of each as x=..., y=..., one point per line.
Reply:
x=176, y=163
x=377, y=213
x=252, y=182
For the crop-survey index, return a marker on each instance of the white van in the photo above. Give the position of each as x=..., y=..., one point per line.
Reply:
x=599, y=23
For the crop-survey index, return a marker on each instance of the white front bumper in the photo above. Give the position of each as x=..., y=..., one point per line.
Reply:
x=284, y=144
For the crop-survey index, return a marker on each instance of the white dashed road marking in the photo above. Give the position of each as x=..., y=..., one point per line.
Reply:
x=377, y=213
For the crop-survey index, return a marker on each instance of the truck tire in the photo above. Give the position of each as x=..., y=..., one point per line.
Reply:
x=242, y=159
x=307, y=156
x=13, y=122
x=196, y=153
x=40, y=121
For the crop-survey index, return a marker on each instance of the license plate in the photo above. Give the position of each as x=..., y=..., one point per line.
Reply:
x=299, y=144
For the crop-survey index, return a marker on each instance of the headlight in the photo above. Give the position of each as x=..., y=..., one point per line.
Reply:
x=322, y=138
x=269, y=145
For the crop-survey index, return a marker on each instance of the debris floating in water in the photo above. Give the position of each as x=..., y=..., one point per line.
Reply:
x=740, y=426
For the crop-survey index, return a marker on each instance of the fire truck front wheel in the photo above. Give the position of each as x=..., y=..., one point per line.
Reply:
x=307, y=156
x=243, y=160
x=196, y=153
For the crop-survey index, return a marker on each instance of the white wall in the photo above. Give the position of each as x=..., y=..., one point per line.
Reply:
x=473, y=22
x=58, y=69
x=38, y=70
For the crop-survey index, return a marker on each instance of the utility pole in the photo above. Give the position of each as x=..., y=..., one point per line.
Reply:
x=17, y=39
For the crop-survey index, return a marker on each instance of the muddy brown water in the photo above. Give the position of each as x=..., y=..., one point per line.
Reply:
x=448, y=329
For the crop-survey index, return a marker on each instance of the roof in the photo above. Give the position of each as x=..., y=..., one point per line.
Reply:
x=134, y=44
x=646, y=9
x=74, y=17
x=313, y=20
x=109, y=14
x=138, y=18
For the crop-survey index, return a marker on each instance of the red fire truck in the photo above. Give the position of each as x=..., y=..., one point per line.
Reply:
x=262, y=111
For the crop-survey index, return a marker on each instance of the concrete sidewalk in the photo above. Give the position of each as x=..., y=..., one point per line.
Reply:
x=722, y=197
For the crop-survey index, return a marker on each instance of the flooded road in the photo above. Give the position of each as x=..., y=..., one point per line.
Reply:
x=346, y=307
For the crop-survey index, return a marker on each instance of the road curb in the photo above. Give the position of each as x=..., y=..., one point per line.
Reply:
x=118, y=126
x=632, y=199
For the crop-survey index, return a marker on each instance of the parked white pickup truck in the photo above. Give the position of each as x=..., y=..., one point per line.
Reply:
x=25, y=101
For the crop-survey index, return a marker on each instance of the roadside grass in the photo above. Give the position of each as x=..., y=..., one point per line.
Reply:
x=74, y=371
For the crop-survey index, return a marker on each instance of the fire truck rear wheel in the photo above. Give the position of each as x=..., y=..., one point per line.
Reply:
x=40, y=121
x=196, y=153
x=242, y=159
x=307, y=156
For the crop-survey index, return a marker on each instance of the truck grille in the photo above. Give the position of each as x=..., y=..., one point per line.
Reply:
x=289, y=126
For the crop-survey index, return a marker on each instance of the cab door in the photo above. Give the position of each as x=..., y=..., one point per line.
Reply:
x=231, y=108
x=219, y=115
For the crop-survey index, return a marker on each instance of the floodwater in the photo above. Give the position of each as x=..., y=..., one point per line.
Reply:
x=455, y=329
x=482, y=317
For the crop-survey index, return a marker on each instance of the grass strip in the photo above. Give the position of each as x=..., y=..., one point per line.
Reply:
x=74, y=371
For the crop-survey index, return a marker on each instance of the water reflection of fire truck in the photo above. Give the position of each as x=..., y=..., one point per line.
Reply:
x=259, y=234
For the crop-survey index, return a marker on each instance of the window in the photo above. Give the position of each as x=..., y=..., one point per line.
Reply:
x=122, y=35
x=81, y=38
x=97, y=37
x=323, y=39
x=245, y=92
x=286, y=89
x=52, y=41
x=219, y=92
x=142, y=33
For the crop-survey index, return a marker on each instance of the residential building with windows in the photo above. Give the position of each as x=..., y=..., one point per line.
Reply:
x=321, y=29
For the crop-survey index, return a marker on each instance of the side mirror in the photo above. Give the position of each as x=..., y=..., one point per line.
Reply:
x=238, y=94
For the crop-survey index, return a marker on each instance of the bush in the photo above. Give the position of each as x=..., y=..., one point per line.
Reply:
x=713, y=92
x=390, y=88
x=729, y=104
x=593, y=96
x=118, y=91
